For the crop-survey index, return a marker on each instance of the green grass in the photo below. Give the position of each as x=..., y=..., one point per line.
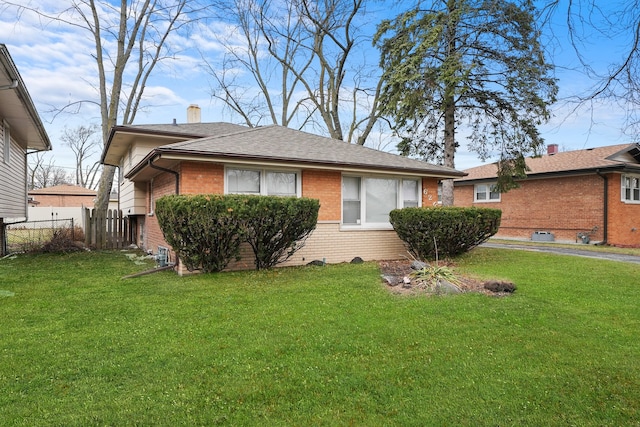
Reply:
x=317, y=345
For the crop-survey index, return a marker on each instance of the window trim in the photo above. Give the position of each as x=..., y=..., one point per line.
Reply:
x=263, y=178
x=363, y=224
x=488, y=187
x=623, y=188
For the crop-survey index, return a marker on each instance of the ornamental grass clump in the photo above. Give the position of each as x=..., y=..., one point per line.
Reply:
x=456, y=229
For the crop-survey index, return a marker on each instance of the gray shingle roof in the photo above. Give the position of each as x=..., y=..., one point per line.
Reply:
x=196, y=129
x=577, y=161
x=277, y=143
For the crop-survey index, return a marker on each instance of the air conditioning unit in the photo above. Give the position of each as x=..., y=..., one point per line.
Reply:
x=542, y=236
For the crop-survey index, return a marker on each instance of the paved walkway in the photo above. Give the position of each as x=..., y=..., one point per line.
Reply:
x=566, y=251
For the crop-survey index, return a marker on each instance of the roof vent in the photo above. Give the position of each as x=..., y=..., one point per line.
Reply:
x=175, y=123
x=552, y=149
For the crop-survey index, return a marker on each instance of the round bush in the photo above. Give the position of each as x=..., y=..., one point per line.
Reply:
x=444, y=231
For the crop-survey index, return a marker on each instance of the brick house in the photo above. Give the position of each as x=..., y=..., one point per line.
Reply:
x=356, y=186
x=63, y=196
x=21, y=132
x=593, y=192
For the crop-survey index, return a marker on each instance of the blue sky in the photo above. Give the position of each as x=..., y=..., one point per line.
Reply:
x=55, y=63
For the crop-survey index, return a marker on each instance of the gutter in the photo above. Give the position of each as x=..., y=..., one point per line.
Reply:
x=605, y=206
x=160, y=168
x=16, y=83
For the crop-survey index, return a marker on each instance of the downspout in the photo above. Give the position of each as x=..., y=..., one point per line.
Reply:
x=160, y=168
x=177, y=175
x=605, y=207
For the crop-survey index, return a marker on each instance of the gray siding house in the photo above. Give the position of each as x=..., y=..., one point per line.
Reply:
x=21, y=132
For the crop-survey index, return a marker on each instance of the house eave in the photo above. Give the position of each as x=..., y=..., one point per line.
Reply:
x=17, y=108
x=170, y=158
x=116, y=147
x=556, y=174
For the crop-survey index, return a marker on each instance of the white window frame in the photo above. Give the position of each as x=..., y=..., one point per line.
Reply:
x=263, y=178
x=6, y=140
x=623, y=188
x=400, y=199
x=487, y=190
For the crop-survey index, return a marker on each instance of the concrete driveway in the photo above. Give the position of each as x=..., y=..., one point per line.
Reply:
x=565, y=251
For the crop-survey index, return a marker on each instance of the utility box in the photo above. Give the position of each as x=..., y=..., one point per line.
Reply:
x=162, y=258
x=542, y=236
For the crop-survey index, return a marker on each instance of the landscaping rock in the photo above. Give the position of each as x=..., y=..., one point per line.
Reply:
x=499, y=286
x=317, y=262
x=391, y=280
x=357, y=260
x=419, y=265
x=446, y=287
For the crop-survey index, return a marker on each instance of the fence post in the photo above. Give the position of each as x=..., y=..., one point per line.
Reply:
x=87, y=227
x=3, y=239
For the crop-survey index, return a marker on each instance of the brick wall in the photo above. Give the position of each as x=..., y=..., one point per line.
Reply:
x=163, y=184
x=429, y=192
x=329, y=243
x=624, y=218
x=201, y=178
x=64, y=200
x=325, y=186
x=563, y=206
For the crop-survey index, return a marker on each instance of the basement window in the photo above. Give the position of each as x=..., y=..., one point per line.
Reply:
x=483, y=193
x=631, y=188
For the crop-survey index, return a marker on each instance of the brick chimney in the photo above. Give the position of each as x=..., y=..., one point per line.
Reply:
x=193, y=114
x=552, y=149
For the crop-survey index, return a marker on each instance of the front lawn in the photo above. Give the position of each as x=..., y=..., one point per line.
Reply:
x=317, y=345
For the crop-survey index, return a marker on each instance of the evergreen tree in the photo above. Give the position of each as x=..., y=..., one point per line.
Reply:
x=470, y=63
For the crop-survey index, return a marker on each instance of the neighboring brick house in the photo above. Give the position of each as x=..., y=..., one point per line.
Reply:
x=62, y=196
x=356, y=186
x=21, y=131
x=593, y=192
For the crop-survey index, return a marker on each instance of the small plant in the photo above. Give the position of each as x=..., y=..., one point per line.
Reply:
x=433, y=275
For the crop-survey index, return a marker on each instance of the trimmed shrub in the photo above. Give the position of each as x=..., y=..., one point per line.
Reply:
x=206, y=231
x=454, y=230
x=277, y=227
x=203, y=230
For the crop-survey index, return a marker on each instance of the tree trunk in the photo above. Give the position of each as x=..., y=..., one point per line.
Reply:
x=449, y=106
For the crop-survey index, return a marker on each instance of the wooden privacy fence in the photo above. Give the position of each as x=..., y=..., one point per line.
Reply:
x=107, y=230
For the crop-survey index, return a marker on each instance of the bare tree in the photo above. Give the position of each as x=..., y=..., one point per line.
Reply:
x=301, y=59
x=44, y=173
x=130, y=39
x=84, y=144
x=34, y=163
x=616, y=25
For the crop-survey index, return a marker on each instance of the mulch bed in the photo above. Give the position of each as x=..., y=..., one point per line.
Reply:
x=399, y=269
